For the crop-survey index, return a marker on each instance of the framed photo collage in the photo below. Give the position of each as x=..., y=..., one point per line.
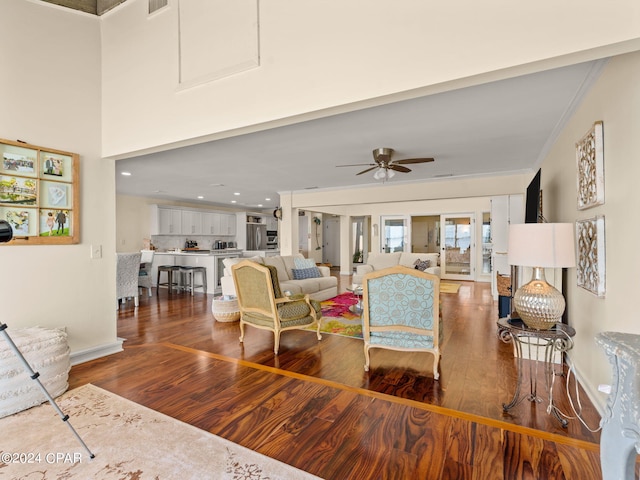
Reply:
x=39, y=194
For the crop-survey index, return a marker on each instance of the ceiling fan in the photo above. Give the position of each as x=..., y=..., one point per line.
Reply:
x=386, y=167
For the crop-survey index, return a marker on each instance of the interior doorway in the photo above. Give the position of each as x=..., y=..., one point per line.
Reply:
x=331, y=241
x=359, y=239
x=425, y=234
x=457, y=239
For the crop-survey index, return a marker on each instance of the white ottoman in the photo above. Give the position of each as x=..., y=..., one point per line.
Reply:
x=47, y=351
x=225, y=309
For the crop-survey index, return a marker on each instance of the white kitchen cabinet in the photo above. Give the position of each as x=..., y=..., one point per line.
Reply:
x=191, y=222
x=227, y=224
x=223, y=224
x=165, y=221
x=175, y=221
x=209, y=222
x=272, y=223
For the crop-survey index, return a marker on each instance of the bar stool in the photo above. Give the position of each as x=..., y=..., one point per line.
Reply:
x=188, y=278
x=169, y=270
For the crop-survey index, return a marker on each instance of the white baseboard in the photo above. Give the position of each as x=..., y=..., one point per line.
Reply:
x=92, y=353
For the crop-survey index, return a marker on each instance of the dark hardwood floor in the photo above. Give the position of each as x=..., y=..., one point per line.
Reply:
x=314, y=407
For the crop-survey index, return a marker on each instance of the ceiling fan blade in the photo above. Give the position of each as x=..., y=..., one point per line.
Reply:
x=407, y=161
x=358, y=165
x=367, y=170
x=399, y=168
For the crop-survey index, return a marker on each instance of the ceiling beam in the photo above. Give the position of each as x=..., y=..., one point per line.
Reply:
x=94, y=7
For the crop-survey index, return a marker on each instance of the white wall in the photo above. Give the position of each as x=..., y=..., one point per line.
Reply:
x=50, y=96
x=614, y=99
x=323, y=57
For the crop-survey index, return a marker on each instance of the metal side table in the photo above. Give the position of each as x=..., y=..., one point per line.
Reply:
x=536, y=344
x=620, y=439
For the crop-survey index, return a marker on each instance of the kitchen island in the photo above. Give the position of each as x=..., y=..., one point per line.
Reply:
x=210, y=259
x=272, y=252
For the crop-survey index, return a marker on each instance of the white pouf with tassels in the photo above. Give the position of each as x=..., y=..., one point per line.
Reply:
x=47, y=352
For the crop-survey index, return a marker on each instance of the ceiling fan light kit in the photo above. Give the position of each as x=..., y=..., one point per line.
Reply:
x=383, y=174
x=385, y=168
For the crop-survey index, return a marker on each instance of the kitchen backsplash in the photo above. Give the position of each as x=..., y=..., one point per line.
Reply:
x=169, y=242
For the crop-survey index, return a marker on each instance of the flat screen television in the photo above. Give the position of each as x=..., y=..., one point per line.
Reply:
x=532, y=212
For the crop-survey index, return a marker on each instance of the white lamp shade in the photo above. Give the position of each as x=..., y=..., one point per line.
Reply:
x=547, y=245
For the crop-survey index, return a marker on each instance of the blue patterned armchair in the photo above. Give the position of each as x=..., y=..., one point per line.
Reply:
x=402, y=312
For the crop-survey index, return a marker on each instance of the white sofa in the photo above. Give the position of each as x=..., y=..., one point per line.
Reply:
x=319, y=289
x=378, y=261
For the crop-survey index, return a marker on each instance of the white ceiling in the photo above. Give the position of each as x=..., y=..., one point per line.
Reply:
x=500, y=127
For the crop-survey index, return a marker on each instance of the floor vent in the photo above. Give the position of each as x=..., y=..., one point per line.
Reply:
x=155, y=5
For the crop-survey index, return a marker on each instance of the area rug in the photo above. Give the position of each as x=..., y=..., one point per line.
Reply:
x=338, y=318
x=129, y=441
x=448, y=287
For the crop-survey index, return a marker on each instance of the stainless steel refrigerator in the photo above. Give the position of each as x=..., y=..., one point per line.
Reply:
x=256, y=236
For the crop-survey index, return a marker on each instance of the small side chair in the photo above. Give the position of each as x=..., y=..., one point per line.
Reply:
x=127, y=271
x=144, y=275
x=262, y=304
x=401, y=311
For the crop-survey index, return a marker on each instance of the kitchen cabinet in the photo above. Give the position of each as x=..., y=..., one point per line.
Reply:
x=272, y=223
x=191, y=222
x=227, y=224
x=218, y=224
x=211, y=262
x=165, y=221
x=209, y=221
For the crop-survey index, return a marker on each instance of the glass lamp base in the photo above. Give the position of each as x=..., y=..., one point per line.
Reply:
x=539, y=304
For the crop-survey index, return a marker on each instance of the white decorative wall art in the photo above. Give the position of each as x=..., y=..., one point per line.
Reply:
x=590, y=163
x=591, y=255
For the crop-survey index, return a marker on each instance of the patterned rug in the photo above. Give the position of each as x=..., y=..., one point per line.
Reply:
x=129, y=441
x=338, y=318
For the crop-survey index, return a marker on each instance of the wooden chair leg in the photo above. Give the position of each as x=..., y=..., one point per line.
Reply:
x=276, y=342
x=366, y=359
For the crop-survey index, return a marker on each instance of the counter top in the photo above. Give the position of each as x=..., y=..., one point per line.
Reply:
x=225, y=252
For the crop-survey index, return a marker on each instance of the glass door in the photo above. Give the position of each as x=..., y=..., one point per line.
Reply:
x=457, y=247
x=395, y=234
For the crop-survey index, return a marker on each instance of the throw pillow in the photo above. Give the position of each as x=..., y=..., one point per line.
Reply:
x=302, y=273
x=422, y=265
x=304, y=263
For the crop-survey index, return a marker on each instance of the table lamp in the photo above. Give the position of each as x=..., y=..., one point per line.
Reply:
x=540, y=246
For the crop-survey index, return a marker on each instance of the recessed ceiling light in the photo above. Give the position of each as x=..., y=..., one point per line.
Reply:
x=200, y=197
x=126, y=174
x=260, y=205
x=267, y=199
x=233, y=201
x=236, y=193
